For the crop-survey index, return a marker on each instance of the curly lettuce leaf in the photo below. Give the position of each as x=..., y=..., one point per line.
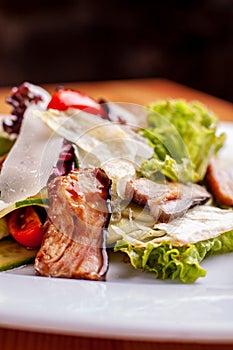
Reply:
x=170, y=262
x=154, y=167
x=184, y=132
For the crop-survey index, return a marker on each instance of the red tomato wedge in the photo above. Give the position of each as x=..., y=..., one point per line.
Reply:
x=25, y=226
x=68, y=98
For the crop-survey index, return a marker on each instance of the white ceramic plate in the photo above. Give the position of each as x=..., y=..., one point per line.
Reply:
x=130, y=305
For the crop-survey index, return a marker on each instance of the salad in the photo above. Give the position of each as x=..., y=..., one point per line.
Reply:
x=80, y=177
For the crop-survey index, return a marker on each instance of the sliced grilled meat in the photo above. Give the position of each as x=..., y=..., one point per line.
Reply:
x=219, y=183
x=165, y=201
x=74, y=243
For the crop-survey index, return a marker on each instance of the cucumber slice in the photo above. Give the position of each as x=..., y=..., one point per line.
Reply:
x=13, y=255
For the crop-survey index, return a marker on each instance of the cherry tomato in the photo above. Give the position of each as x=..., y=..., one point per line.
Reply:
x=66, y=98
x=25, y=226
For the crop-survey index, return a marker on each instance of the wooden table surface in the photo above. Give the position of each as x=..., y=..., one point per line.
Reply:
x=134, y=91
x=140, y=92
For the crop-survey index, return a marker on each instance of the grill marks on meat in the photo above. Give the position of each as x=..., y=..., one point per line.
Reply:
x=220, y=184
x=165, y=201
x=74, y=243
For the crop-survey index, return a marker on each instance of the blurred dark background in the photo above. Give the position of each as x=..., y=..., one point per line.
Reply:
x=66, y=40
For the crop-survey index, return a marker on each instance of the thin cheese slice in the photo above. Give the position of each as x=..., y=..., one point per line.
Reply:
x=30, y=162
x=99, y=140
x=198, y=224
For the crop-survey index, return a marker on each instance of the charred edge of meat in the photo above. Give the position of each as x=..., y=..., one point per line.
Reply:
x=104, y=269
x=106, y=182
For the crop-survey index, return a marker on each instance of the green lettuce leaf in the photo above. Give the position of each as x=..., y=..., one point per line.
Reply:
x=170, y=262
x=184, y=138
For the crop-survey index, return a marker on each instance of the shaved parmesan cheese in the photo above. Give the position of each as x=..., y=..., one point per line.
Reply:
x=100, y=140
x=198, y=224
x=30, y=161
x=130, y=113
x=120, y=172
